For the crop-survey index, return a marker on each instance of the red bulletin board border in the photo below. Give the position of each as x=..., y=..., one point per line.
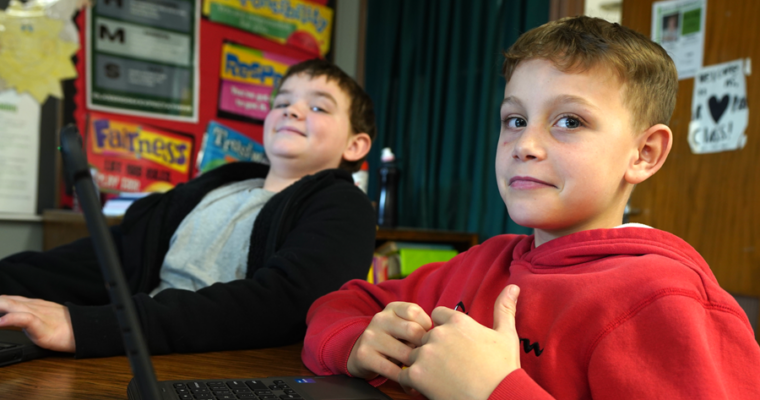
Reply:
x=211, y=38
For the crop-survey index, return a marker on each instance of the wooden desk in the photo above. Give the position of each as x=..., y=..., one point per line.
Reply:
x=65, y=226
x=56, y=378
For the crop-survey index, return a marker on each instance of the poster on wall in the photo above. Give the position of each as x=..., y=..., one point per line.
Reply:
x=719, y=112
x=142, y=58
x=19, y=152
x=297, y=23
x=679, y=27
x=248, y=77
x=136, y=158
x=223, y=145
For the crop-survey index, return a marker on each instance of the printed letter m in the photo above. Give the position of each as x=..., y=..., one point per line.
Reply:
x=106, y=34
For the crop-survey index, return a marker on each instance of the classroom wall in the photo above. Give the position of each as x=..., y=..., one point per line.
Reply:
x=18, y=236
x=346, y=35
x=605, y=9
x=19, y=233
x=26, y=234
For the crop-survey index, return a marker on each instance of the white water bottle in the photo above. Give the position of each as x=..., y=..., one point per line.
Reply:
x=361, y=177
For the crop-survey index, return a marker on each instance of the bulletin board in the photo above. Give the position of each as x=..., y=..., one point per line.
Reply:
x=214, y=39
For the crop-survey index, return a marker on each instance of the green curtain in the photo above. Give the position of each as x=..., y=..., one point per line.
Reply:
x=433, y=71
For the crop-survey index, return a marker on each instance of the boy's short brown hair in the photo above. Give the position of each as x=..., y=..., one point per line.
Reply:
x=646, y=71
x=361, y=110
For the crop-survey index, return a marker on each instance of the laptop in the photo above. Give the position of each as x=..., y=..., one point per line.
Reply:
x=144, y=385
x=15, y=347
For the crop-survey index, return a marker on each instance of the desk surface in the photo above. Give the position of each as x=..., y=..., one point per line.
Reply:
x=107, y=378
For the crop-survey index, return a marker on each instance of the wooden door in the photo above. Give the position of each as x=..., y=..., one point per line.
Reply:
x=711, y=200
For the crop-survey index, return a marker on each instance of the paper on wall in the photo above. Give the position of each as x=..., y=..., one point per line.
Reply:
x=679, y=27
x=63, y=10
x=719, y=112
x=19, y=152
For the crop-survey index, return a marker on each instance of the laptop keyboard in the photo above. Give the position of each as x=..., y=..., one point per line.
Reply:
x=234, y=389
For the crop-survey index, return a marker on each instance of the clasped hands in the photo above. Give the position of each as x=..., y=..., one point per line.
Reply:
x=47, y=324
x=458, y=359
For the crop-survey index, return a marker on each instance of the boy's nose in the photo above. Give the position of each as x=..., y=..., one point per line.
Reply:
x=291, y=112
x=529, y=146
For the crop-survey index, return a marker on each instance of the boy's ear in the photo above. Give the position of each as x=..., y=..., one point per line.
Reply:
x=358, y=146
x=653, y=148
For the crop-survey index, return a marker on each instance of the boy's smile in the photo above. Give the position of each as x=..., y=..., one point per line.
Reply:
x=289, y=129
x=565, y=147
x=527, y=182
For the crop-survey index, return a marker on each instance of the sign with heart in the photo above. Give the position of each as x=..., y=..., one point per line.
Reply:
x=719, y=112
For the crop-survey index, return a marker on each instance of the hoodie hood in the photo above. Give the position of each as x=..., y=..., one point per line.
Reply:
x=584, y=247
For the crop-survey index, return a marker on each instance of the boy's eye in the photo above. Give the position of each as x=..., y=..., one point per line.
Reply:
x=280, y=104
x=569, y=122
x=317, y=109
x=515, y=122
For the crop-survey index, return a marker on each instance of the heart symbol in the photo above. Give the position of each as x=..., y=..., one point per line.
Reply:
x=717, y=108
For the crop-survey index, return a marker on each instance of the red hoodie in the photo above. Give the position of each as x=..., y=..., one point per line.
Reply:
x=627, y=313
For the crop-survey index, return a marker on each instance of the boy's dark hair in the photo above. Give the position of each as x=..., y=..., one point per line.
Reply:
x=361, y=110
x=646, y=71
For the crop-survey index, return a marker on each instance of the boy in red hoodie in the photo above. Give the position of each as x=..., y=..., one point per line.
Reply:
x=607, y=310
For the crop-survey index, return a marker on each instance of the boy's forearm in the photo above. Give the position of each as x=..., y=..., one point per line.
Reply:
x=336, y=320
x=96, y=331
x=326, y=349
x=334, y=323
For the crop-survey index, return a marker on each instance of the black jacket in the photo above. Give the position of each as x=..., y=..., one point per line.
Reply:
x=307, y=241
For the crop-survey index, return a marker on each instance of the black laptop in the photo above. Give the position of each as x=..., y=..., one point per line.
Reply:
x=15, y=347
x=144, y=385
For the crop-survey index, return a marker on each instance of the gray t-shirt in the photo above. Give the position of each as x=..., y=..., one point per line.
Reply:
x=211, y=244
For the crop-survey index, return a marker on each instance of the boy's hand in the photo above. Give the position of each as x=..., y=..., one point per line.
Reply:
x=388, y=340
x=47, y=324
x=461, y=359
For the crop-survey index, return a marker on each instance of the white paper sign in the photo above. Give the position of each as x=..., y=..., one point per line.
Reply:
x=679, y=27
x=719, y=112
x=142, y=58
x=19, y=152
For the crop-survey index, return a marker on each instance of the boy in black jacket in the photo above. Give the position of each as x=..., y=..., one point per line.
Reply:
x=209, y=268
